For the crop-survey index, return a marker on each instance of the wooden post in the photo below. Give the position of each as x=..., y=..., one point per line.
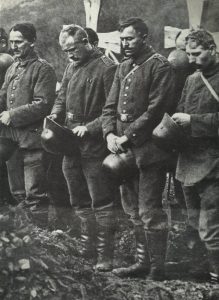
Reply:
x=92, y=10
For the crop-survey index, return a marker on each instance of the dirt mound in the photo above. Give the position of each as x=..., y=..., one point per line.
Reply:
x=43, y=264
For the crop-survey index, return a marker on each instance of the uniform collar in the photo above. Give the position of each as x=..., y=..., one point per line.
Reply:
x=92, y=55
x=144, y=55
x=211, y=71
x=32, y=56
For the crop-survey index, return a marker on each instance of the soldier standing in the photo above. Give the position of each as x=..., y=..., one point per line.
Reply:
x=26, y=98
x=85, y=86
x=198, y=164
x=140, y=94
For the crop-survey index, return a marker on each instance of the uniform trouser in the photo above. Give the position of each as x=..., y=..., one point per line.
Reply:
x=142, y=198
x=57, y=186
x=34, y=175
x=202, y=200
x=15, y=167
x=88, y=187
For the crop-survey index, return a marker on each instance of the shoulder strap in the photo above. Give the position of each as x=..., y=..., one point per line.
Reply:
x=212, y=91
x=138, y=66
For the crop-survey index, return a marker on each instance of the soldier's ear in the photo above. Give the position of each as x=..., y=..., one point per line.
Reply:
x=144, y=37
x=213, y=50
x=85, y=41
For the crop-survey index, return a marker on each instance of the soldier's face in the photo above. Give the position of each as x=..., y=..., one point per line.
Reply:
x=20, y=46
x=76, y=50
x=131, y=41
x=199, y=57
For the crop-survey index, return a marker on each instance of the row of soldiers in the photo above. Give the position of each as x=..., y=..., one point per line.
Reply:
x=114, y=109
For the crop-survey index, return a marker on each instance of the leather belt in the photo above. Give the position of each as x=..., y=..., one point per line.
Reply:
x=126, y=118
x=80, y=118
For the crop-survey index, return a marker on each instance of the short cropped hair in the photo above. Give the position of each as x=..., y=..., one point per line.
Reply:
x=202, y=38
x=138, y=24
x=92, y=36
x=3, y=35
x=75, y=31
x=27, y=30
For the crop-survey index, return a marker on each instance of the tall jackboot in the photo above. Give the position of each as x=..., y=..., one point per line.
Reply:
x=141, y=267
x=88, y=232
x=214, y=263
x=105, y=249
x=105, y=238
x=157, y=243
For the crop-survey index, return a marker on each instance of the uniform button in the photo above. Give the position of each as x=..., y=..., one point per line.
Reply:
x=124, y=111
x=125, y=95
x=14, y=87
x=134, y=65
x=127, y=87
x=11, y=102
x=134, y=134
x=12, y=95
x=124, y=102
x=129, y=80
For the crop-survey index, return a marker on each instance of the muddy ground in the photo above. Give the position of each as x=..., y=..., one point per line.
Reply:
x=45, y=264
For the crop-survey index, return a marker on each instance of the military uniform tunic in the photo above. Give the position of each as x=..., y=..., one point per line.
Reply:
x=82, y=96
x=198, y=164
x=137, y=101
x=28, y=94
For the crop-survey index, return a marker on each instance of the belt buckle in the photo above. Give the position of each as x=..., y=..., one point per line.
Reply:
x=124, y=117
x=70, y=116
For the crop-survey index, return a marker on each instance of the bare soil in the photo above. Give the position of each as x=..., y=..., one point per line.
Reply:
x=45, y=264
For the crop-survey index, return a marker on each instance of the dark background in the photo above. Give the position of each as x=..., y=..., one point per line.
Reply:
x=49, y=16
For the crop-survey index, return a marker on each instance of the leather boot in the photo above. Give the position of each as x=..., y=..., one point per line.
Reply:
x=105, y=238
x=157, y=243
x=142, y=264
x=104, y=247
x=88, y=232
x=214, y=263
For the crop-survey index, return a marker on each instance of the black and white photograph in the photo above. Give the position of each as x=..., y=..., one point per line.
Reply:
x=109, y=150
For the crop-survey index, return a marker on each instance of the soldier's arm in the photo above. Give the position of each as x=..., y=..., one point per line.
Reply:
x=43, y=98
x=109, y=114
x=60, y=102
x=160, y=97
x=201, y=125
x=95, y=126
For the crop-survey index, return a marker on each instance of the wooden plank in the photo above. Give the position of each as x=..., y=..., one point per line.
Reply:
x=92, y=10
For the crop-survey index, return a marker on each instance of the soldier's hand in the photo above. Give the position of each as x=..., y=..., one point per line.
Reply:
x=182, y=119
x=111, y=142
x=53, y=117
x=80, y=130
x=120, y=141
x=5, y=118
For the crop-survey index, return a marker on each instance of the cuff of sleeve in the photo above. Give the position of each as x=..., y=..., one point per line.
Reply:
x=108, y=130
x=132, y=136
